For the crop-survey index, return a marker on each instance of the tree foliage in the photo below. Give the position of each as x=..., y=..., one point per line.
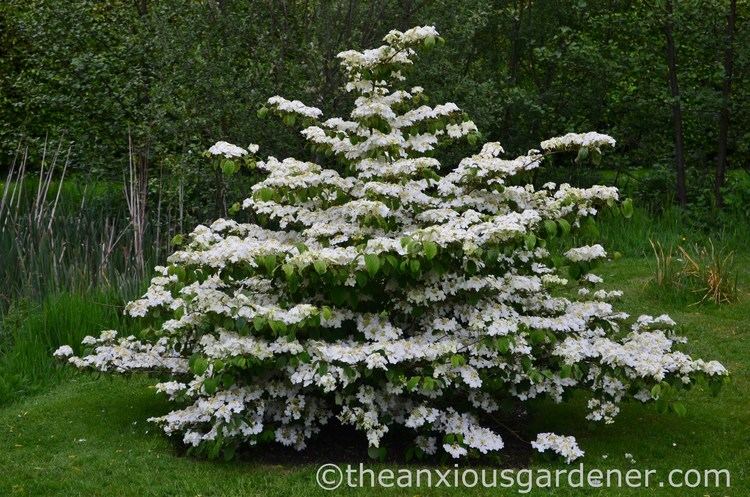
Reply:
x=177, y=75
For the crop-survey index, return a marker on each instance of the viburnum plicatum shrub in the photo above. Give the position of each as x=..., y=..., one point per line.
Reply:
x=378, y=291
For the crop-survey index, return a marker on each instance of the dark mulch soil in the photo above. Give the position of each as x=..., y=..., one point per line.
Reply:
x=343, y=444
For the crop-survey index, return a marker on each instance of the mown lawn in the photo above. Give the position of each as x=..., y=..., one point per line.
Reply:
x=89, y=437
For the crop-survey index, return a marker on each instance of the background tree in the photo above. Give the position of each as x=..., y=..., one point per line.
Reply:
x=726, y=92
x=180, y=74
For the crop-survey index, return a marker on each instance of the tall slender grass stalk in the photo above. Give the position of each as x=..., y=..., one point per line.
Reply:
x=136, y=195
x=62, y=234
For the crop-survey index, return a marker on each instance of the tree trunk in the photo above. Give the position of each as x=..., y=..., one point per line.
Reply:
x=514, y=62
x=726, y=93
x=679, y=142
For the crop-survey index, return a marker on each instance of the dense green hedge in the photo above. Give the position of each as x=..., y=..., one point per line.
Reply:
x=180, y=75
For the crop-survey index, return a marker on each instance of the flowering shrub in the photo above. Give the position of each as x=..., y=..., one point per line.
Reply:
x=383, y=293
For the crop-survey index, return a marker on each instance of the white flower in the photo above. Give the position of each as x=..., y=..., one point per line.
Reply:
x=562, y=445
x=576, y=140
x=586, y=253
x=294, y=106
x=455, y=450
x=428, y=445
x=64, y=351
x=492, y=149
x=228, y=150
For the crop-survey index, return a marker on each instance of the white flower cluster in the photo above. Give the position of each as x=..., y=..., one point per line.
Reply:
x=574, y=141
x=228, y=150
x=294, y=107
x=376, y=292
x=564, y=446
x=125, y=354
x=586, y=253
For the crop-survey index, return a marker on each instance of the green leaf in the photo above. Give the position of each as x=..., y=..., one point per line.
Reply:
x=583, y=154
x=178, y=271
x=551, y=228
x=656, y=391
x=535, y=376
x=262, y=112
x=240, y=323
x=537, y=336
x=530, y=241
x=320, y=266
x=430, y=249
x=268, y=262
x=413, y=382
x=304, y=357
x=502, y=345
x=227, y=380
x=564, y=225
x=211, y=384
x=265, y=194
x=372, y=263
x=278, y=327
x=627, y=208
x=200, y=365
x=679, y=408
x=259, y=322
x=596, y=156
x=229, y=167
x=414, y=265
x=326, y=312
x=566, y=371
x=288, y=270
x=214, y=448
x=377, y=453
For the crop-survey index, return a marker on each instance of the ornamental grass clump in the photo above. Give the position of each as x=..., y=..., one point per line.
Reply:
x=382, y=292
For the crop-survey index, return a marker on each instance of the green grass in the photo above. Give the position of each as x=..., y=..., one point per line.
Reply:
x=31, y=331
x=673, y=227
x=89, y=437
